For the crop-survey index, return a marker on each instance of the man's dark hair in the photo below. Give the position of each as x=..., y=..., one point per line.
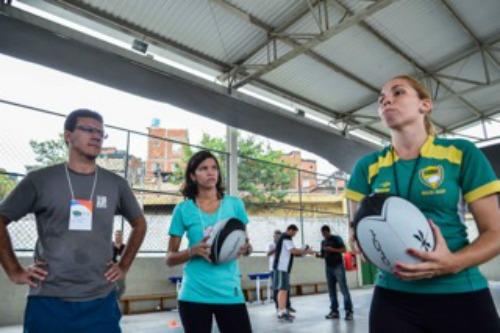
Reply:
x=190, y=189
x=72, y=118
x=325, y=228
x=292, y=227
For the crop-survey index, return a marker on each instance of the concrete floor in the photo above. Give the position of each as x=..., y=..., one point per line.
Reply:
x=309, y=317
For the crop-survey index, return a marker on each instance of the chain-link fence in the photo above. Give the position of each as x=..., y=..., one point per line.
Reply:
x=276, y=194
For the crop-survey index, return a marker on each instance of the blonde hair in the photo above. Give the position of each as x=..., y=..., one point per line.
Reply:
x=422, y=93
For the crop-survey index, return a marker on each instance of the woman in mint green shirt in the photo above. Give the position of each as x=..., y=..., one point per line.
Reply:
x=446, y=292
x=208, y=290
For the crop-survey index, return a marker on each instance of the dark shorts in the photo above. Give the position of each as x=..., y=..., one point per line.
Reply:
x=395, y=311
x=54, y=315
x=198, y=317
x=281, y=280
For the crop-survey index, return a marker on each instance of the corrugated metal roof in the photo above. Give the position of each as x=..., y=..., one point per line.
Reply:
x=274, y=13
x=480, y=16
x=200, y=25
x=423, y=29
x=369, y=110
x=308, y=24
x=306, y=78
x=450, y=111
x=357, y=51
x=486, y=98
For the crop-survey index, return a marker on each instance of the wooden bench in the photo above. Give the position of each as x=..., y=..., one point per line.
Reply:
x=160, y=298
x=299, y=287
x=296, y=289
x=249, y=291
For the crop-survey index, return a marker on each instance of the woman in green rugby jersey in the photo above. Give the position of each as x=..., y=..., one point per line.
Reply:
x=446, y=292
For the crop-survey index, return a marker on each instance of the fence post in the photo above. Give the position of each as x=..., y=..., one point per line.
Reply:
x=125, y=172
x=232, y=163
x=301, y=208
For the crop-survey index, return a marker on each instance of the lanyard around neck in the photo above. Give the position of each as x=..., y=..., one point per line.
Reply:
x=71, y=186
x=395, y=174
x=203, y=224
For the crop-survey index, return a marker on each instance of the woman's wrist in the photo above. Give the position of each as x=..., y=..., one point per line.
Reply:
x=455, y=264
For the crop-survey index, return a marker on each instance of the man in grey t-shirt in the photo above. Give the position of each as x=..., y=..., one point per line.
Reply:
x=74, y=204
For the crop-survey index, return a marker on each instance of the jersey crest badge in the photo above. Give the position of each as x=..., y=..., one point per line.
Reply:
x=432, y=176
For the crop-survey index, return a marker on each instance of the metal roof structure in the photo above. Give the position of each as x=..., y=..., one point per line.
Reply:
x=328, y=57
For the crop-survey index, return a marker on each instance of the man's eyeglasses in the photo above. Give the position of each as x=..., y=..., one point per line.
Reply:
x=92, y=130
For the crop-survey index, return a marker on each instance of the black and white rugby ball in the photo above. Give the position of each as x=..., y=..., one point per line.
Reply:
x=226, y=239
x=387, y=226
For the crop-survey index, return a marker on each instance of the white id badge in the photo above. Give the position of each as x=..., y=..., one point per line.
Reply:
x=80, y=215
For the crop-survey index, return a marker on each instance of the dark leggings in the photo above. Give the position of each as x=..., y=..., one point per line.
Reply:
x=395, y=311
x=197, y=317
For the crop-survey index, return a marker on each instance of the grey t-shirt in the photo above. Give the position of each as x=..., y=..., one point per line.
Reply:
x=76, y=260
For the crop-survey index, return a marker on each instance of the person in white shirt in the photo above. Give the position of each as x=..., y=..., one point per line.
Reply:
x=282, y=266
x=271, y=250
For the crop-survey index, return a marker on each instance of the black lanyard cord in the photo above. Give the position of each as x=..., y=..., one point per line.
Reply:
x=395, y=174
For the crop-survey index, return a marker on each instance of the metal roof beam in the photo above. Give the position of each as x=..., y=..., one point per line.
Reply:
x=290, y=40
x=263, y=25
x=327, y=34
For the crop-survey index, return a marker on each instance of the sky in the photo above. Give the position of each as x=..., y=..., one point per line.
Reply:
x=38, y=86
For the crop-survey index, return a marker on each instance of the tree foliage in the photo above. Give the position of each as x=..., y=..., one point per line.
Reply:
x=48, y=152
x=6, y=184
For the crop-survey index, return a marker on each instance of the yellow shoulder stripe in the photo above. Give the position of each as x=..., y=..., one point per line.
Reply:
x=382, y=162
x=450, y=153
x=482, y=191
x=354, y=196
x=428, y=150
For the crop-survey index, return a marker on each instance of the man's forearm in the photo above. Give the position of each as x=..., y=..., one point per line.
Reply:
x=134, y=243
x=8, y=259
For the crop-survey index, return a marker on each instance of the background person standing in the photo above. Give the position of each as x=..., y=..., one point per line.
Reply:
x=332, y=247
x=118, y=248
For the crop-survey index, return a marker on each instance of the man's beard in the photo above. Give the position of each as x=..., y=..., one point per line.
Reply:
x=87, y=156
x=90, y=158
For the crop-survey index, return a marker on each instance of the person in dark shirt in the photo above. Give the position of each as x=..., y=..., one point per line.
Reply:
x=332, y=247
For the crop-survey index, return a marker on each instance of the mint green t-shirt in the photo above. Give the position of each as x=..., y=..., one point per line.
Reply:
x=203, y=282
x=448, y=174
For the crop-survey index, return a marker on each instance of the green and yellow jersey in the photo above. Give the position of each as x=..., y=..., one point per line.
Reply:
x=448, y=174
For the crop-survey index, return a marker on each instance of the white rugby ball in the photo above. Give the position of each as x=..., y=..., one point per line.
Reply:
x=384, y=238
x=226, y=239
